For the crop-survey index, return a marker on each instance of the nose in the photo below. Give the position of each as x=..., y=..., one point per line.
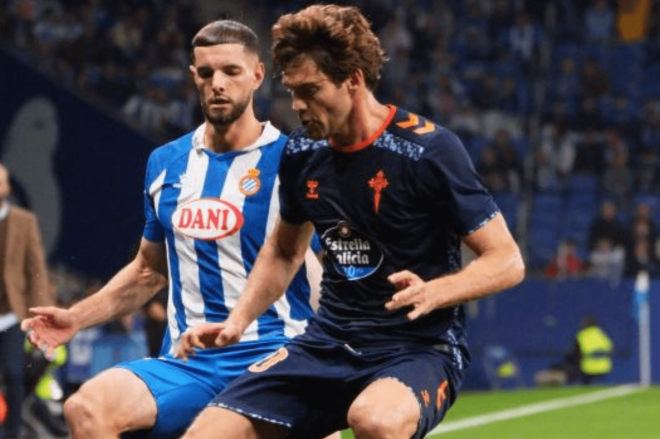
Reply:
x=219, y=82
x=297, y=104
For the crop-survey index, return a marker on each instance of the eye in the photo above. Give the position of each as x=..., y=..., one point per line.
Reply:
x=233, y=71
x=204, y=73
x=306, y=92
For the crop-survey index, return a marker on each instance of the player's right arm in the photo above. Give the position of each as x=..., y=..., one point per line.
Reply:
x=126, y=292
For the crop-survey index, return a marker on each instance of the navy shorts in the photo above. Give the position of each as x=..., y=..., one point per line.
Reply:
x=309, y=384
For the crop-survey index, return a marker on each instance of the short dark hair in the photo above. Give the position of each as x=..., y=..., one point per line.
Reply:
x=226, y=32
x=339, y=39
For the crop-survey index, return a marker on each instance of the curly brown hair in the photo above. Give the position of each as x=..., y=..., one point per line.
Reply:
x=339, y=39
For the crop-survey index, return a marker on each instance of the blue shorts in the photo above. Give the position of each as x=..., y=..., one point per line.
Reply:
x=182, y=390
x=309, y=384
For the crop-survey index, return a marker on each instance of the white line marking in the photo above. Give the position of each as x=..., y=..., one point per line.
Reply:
x=535, y=408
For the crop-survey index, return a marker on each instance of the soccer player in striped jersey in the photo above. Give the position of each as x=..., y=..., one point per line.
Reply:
x=211, y=199
x=392, y=196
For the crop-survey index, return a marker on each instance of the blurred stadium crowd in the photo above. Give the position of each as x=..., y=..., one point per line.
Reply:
x=556, y=101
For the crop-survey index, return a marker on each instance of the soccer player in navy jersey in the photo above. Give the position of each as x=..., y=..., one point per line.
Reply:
x=392, y=196
x=211, y=198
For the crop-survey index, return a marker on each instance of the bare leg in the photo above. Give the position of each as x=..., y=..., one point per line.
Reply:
x=219, y=423
x=386, y=409
x=113, y=402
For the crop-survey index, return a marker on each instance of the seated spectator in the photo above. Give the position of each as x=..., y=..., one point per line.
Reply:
x=599, y=22
x=607, y=261
x=608, y=227
x=566, y=263
x=618, y=180
x=649, y=135
x=641, y=257
x=554, y=158
x=492, y=174
x=594, y=81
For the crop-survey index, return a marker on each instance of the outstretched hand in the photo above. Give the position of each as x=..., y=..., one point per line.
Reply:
x=50, y=328
x=206, y=335
x=412, y=292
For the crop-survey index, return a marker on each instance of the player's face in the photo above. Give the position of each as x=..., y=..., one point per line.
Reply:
x=226, y=76
x=322, y=106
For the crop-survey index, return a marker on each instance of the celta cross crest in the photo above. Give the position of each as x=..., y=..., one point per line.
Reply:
x=378, y=183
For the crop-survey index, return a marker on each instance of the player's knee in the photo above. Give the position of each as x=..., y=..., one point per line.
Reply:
x=368, y=423
x=77, y=410
x=84, y=410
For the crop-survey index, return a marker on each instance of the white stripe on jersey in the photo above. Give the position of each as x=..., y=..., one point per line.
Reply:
x=229, y=249
x=192, y=299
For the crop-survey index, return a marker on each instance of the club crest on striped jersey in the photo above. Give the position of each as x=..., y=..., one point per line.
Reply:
x=207, y=219
x=250, y=184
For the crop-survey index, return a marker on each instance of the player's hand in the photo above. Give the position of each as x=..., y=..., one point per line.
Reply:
x=206, y=335
x=50, y=328
x=412, y=292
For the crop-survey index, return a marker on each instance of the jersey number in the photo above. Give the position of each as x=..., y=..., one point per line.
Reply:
x=269, y=361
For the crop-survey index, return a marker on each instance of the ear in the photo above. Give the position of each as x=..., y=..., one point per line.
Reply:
x=259, y=74
x=356, y=80
x=192, y=71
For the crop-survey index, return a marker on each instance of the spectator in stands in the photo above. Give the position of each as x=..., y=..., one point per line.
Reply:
x=566, y=263
x=607, y=226
x=492, y=174
x=466, y=122
x=621, y=115
x=641, y=257
x=649, y=135
x=642, y=253
x=566, y=85
x=554, y=158
x=646, y=171
x=618, y=180
x=522, y=42
x=594, y=81
x=607, y=261
x=599, y=22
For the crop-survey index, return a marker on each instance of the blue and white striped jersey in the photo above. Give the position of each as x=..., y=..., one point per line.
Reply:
x=214, y=211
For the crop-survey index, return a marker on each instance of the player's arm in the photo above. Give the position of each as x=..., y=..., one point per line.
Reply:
x=498, y=265
x=126, y=292
x=278, y=262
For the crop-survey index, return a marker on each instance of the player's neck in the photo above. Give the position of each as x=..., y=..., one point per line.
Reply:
x=235, y=136
x=365, y=118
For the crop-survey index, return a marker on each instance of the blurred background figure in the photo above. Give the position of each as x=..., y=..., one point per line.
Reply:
x=23, y=284
x=591, y=356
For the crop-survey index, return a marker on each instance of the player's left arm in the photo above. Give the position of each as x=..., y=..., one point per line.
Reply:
x=498, y=265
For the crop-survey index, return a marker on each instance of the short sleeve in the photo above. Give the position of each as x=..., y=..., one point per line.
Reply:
x=449, y=179
x=153, y=230
x=291, y=209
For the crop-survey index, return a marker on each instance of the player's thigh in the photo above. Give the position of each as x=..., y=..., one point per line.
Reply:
x=220, y=423
x=386, y=404
x=121, y=396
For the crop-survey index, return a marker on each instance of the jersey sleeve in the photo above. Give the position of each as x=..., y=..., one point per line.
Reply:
x=153, y=230
x=450, y=181
x=291, y=209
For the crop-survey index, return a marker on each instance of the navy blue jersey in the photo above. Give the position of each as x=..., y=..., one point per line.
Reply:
x=402, y=199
